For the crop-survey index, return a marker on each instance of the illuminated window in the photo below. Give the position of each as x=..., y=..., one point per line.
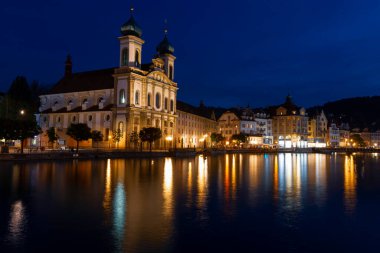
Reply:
x=124, y=57
x=122, y=96
x=121, y=126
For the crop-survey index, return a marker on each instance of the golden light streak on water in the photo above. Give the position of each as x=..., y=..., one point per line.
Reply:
x=17, y=223
x=349, y=184
x=107, y=190
x=167, y=190
x=202, y=183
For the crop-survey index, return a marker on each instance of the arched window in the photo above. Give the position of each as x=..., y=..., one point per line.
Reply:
x=137, y=58
x=149, y=100
x=90, y=118
x=166, y=103
x=158, y=100
x=171, y=105
x=137, y=97
x=171, y=72
x=122, y=96
x=124, y=57
x=121, y=126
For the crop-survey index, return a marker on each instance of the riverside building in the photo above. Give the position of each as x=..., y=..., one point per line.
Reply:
x=128, y=97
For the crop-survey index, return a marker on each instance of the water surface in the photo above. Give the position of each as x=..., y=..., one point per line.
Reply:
x=228, y=203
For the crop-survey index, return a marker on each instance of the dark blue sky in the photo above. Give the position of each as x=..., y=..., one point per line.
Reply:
x=228, y=52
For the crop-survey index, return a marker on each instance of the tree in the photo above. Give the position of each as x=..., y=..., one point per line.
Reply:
x=357, y=140
x=239, y=138
x=117, y=135
x=79, y=132
x=96, y=136
x=52, y=136
x=150, y=134
x=134, y=138
x=217, y=138
x=18, y=129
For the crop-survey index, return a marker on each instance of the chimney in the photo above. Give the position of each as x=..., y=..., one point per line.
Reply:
x=68, y=67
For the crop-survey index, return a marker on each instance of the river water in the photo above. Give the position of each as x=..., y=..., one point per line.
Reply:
x=227, y=203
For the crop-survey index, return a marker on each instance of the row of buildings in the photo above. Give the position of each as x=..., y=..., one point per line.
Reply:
x=135, y=95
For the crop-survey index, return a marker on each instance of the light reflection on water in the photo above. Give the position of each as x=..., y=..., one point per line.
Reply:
x=146, y=204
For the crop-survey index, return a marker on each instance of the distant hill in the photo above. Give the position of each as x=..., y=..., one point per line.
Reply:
x=359, y=112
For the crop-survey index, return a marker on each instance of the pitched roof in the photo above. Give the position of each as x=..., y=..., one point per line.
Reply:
x=85, y=81
x=202, y=111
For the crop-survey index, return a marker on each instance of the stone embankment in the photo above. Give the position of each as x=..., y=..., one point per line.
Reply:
x=104, y=154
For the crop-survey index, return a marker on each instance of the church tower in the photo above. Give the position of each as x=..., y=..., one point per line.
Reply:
x=131, y=44
x=165, y=51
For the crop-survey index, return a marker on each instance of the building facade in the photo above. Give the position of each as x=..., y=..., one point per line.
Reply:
x=290, y=125
x=126, y=98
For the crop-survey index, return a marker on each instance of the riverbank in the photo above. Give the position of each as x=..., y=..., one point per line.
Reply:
x=104, y=154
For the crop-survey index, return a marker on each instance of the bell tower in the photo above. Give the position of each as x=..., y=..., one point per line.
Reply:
x=165, y=51
x=131, y=43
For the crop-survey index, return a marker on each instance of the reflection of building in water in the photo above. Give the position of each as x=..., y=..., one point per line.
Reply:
x=202, y=186
x=168, y=188
x=287, y=182
x=107, y=190
x=119, y=215
x=17, y=223
x=349, y=184
x=320, y=178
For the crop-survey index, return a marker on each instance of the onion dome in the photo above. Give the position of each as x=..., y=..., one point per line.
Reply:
x=131, y=27
x=165, y=47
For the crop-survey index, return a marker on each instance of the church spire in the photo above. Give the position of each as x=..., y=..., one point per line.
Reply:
x=68, y=66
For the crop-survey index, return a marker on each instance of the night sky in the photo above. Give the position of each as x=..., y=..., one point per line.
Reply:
x=228, y=52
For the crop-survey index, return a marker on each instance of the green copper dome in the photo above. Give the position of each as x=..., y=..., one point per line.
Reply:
x=165, y=47
x=131, y=28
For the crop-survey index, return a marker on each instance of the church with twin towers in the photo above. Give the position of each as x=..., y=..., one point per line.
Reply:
x=126, y=98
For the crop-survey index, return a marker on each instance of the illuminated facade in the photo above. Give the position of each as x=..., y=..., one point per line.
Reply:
x=290, y=125
x=317, y=129
x=129, y=97
x=257, y=125
x=194, y=126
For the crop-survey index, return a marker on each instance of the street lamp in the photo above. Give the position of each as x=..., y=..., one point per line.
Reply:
x=109, y=141
x=22, y=112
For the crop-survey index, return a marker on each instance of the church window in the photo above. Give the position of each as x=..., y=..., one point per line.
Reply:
x=171, y=72
x=171, y=105
x=137, y=97
x=166, y=104
x=137, y=59
x=74, y=119
x=158, y=100
x=124, y=57
x=122, y=96
x=90, y=118
x=121, y=126
x=84, y=101
x=149, y=100
x=108, y=117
